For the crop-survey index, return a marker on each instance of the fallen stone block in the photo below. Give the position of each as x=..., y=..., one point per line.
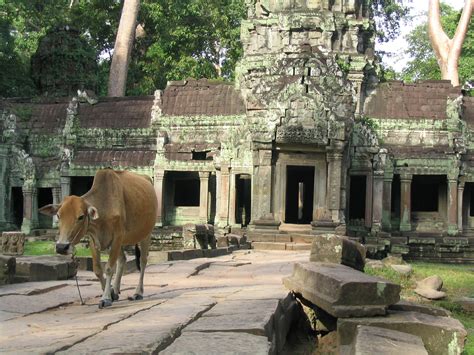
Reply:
x=407, y=306
x=45, y=268
x=219, y=343
x=13, y=243
x=430, y=293
x=342, y=291
x=393, y=260
x=433, y=282
x=374, y=264
x=466, y=303
x=7, y=269
x=331, y=248
x=402, y=269
x=373, y=340
x=440, y=335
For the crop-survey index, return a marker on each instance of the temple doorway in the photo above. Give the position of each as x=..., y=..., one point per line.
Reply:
x=45, y=197
x=243, y=188
x=299, y=194
x=17, y=206
x=357, y=199
x=81, y=184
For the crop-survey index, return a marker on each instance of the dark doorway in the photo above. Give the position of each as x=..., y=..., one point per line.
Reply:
x=299, y=194
x=81, y=184
x=357, y=203
x=17, y=206
x=425, y=192
x=45, y=197
x=186, y=190
x=243, y=186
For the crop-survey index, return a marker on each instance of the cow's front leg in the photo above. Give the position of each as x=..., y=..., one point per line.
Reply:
x=96, y=265
x=106, y=300
x=118, y=274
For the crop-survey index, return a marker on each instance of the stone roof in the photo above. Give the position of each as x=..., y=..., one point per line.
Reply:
x=201, y=97
x=117, y=113
x=132, y=158
x=422, y=100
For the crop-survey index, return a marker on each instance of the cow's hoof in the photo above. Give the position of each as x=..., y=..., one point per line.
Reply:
x=115, y=296
x=136, y=297
x=105, y=303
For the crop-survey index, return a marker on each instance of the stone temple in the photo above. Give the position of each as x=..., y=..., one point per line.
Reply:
x=306, y=141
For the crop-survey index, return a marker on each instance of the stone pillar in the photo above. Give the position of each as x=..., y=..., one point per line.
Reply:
x=4, y=156
x=158, y=184
x=460, y=206
x=368, y=201
x=387, y=203
x=65, y=186
x=222, y=220
x=56, y=201
x=320, y=212
x=405, y=202
x=232, y=199
x=452, y=206
x=334, y=189
x=377, y=198
x=30, y=210
x=203, y=196
x=262, y=212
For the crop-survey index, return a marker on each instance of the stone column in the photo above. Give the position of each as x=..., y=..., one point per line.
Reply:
x=320, y=212
x=4, y=156
x=65, y=186
x=232, y=200
x=30, y=210
x=460, y=205
x=222, y=219
x=405, y=202
x=203, y=196
x=387, y=203
x=368, y=200
x=334, y=176
x=452, y=206
x=377, y=198
x=56, y=201
x=158, y=184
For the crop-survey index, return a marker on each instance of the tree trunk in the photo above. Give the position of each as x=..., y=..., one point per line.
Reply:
x=123, y=48
x=448, y=50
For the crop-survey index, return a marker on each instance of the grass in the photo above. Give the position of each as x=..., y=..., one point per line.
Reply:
x=458, y=281
x=48, y=248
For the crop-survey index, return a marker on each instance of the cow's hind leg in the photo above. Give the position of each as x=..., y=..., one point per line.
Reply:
x=115, y=249
x=144, y=247
x=115, y=292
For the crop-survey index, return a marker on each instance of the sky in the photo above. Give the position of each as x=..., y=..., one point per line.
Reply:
x=399, y=45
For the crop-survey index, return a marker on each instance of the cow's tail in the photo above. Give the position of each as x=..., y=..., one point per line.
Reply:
x=137, y=256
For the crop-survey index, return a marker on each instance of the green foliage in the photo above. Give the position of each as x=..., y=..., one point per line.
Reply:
x=424, y=66
x=388, y=15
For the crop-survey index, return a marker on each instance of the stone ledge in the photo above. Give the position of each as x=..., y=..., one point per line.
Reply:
x=188, y=254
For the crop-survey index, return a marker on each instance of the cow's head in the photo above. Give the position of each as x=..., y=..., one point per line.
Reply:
x=74, y=216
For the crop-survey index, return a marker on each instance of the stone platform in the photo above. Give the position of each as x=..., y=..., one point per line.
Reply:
x=183, y=301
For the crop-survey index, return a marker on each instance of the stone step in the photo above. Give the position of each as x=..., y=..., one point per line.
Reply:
x=268, y=237
x=280, y=246
x=45, y=268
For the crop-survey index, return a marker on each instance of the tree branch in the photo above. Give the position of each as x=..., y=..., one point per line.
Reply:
x=439, y=38
x=461, y=30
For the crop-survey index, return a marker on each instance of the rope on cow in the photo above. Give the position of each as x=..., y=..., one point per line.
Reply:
x=76, y=262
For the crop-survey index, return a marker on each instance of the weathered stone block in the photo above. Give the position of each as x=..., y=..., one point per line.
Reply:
x=7, y=269
x=440, y=335
x=373, y=340
x=340, y=250
x=45, y=268
x=407, y=306
x=13, y=243
x=342, y=291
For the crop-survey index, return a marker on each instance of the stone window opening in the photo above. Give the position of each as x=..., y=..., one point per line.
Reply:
x=199, y=155
x=45, y=197
x=357, y=198
x=81, y=184
x=299, y=194
x=425, y=192
x=186, y=192
x=17, y=206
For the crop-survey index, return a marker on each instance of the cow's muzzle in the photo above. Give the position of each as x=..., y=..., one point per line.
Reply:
x=63, y=248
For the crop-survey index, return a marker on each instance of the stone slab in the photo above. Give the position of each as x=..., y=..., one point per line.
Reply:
x=467, y=304
x=440, y=335
x=331, y=248
x=45, y=268
x=218, y=343
x=268, y=246
x=342, y=291
x=13, y=243
x=373, y=340
x=430, y=294
x=407, y=306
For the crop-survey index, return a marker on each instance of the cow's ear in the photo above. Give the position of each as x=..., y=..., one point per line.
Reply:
x=49, y=210
x=92, y=212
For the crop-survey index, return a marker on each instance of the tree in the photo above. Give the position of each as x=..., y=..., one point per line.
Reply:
x=448, y=51
x=123, y=48
x=423, y=65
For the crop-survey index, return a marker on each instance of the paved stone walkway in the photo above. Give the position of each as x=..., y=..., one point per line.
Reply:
x=234, y=303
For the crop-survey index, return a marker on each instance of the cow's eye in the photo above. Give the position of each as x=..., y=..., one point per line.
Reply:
x=80, y=218
x=57, y=215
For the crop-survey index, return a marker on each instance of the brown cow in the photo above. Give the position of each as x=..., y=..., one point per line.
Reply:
x=119, y=209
